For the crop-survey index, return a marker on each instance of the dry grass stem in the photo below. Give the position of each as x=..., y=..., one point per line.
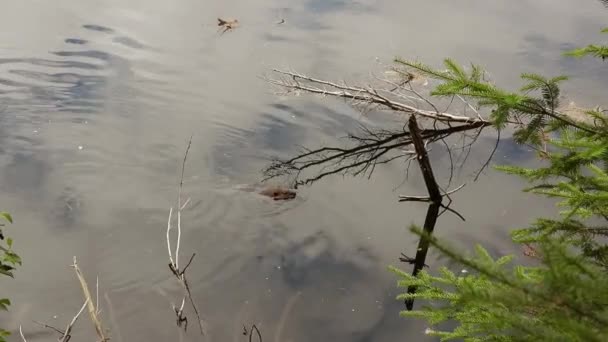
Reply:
x=93, y=308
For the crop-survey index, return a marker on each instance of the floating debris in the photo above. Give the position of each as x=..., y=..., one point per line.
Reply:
x=227, y=24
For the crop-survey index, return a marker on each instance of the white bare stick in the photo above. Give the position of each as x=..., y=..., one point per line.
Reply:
x=181, y=308
x=185, y=203
x=21, y=333
x=469, y=105
x=180, y=206
x=169, y=236
x=67, y=333
x=179, y=237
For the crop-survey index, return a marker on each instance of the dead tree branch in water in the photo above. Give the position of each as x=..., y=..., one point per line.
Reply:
x=369, y=147
x=384, y=98
x=180, y=273
x=424, y=124
x=435, y=199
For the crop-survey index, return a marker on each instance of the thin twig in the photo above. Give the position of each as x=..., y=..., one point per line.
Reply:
x=21, y=334
x=370, y=149
x=490, y=157
x=180, y=274
x=179, y=204
x=409, y=260
x=425, y=99
x=67, y=334
x=470, y=106
x=446, y=207
x=452, y=211
x=169, y=237
x=44, y=325
x=250, y=333
x=403, y=198
x=188, y=264
x=449, y=150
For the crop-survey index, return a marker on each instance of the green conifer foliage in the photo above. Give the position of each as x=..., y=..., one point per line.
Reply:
x=600, y=51
x=563, y=295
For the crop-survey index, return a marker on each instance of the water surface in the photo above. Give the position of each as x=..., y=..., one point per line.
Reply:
x=98, y=99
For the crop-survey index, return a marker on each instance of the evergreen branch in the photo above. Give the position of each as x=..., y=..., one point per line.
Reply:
x=500, y=277
x=599, y=51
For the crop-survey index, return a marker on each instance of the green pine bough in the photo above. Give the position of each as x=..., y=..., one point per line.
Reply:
x=563, y=294
x=600, y=51
x=9, y=260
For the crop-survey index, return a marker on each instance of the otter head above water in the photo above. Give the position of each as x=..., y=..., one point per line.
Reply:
x=278, y=193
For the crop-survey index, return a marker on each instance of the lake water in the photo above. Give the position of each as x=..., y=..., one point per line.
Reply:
x=98, y=99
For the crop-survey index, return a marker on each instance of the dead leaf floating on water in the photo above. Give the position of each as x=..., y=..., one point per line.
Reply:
x=227, y=24
x=406, y=76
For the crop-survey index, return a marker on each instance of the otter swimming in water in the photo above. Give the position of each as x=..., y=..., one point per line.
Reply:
x=278, y=193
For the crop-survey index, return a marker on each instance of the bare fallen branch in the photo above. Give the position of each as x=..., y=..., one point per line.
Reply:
x=370, y=148
x=367, y=95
